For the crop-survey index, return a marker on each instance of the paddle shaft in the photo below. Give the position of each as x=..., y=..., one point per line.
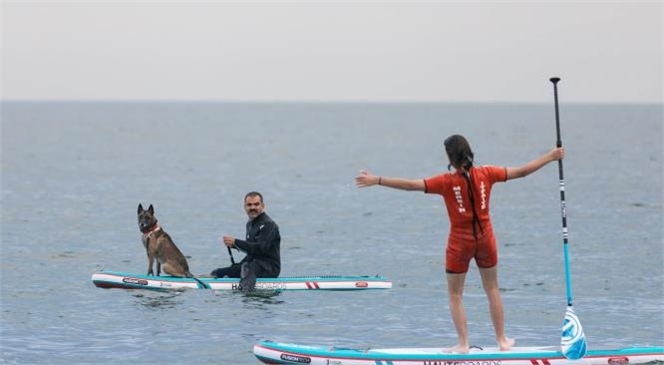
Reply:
x=202, y=284
x=231, y=254
x=563, y=210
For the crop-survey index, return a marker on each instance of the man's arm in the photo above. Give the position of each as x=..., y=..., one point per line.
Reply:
x=269, y=232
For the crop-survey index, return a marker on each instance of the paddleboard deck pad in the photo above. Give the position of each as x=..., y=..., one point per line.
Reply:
x=270, y=352
x=123, y=280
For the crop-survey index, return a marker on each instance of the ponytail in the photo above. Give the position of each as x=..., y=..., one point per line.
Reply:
x=471, y=197
x=461, y=157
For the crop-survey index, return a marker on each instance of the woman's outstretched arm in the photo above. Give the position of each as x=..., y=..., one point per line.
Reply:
x=555, y=154
x=366, y=179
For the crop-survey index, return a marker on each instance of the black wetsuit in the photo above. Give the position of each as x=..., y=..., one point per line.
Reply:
x=262, y=247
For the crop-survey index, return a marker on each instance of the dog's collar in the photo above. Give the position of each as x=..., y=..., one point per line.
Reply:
x=154, y=228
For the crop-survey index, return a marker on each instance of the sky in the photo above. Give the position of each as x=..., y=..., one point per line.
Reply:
x=369, y=51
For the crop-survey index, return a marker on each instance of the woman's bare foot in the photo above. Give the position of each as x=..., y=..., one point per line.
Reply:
x=458, y=349
x=506, y=343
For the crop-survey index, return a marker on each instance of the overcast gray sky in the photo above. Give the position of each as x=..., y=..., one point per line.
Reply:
x=332, y=51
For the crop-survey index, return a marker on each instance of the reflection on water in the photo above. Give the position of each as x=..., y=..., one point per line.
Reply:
x=262, y=297
x=156, y=300
x=159, y=300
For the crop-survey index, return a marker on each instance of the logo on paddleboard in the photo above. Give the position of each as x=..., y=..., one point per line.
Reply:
x=361, y=284
x=470, y=362
x=618, y=360
x=263, y=286
x=135, y=281
x=298, y=359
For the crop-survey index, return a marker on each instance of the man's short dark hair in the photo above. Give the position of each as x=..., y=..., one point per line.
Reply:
x=253, y=194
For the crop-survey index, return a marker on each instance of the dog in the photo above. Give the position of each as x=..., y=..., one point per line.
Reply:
x=160, y=247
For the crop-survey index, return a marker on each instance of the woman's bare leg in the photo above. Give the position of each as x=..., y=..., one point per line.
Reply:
x=455, y=284
x=490, y=284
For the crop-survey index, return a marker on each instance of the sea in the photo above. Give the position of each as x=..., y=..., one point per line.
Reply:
x=73, y=174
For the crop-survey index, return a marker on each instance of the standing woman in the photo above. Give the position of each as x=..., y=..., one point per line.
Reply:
x=466, y=192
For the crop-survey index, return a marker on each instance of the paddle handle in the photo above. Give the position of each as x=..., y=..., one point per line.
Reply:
x=563, y=210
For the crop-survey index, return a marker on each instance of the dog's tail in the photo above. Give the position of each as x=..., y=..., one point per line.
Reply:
x=201, y=284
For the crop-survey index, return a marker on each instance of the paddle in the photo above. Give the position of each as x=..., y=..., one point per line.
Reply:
x=201, y=284
x=573, y=340
x=231, y=254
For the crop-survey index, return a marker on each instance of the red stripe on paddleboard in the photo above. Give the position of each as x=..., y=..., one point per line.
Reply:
x=312, y=285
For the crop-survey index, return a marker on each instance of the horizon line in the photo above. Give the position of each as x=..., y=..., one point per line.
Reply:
x=327, y=101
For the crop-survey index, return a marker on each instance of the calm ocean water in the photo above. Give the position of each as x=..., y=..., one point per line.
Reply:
x=73, y=174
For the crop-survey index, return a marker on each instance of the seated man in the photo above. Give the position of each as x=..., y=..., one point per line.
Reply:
x=262, y=243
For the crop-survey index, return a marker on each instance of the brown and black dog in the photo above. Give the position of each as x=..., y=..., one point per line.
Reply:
x=161, y=248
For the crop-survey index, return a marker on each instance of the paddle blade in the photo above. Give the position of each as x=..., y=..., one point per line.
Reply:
x=573, y=340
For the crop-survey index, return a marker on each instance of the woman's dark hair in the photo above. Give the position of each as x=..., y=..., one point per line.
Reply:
x=459, y=152
x=461, y=156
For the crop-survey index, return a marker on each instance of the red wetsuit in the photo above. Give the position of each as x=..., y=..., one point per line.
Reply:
x=462, y=245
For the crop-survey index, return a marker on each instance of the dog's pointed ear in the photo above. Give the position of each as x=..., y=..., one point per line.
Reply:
x=140, y=208
x=151, y=209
